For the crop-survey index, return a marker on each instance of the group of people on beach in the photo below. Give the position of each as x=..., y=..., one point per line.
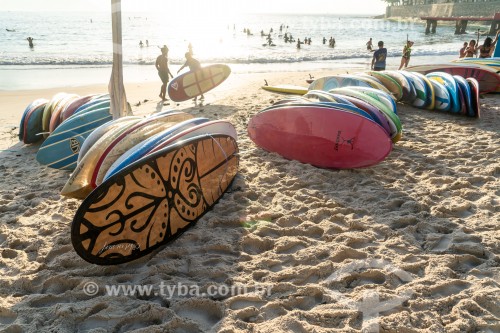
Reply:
x=473, y=49
x=164, y=73
x=380, y=55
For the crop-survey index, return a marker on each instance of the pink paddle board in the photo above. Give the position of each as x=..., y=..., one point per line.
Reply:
x=323, y=137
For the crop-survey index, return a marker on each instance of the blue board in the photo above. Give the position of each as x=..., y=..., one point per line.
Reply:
x=420, y=89
x=60, y=149
x=34, y=125
x=92, y=105
x=140, y=150
x=449, y=82
x=464, y=86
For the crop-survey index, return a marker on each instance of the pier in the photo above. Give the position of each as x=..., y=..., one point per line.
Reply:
x=461, y=23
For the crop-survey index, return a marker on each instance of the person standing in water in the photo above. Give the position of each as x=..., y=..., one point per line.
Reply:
x=30, y=41
x=461, y=53
x=163, y=71
x=193, y=65
x=405, y=59
x=369, y=45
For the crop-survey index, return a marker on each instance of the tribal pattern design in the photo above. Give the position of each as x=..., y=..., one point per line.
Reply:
x=153, y=201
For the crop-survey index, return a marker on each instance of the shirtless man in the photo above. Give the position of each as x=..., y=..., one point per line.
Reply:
x=163, y=71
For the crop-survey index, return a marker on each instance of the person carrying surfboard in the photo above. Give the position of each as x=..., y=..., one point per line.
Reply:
x=193, y=65
x=163, y=71
x=405, y=59
x=486, y=50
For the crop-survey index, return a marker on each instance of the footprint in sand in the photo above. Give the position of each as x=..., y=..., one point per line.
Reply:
x=204, y=312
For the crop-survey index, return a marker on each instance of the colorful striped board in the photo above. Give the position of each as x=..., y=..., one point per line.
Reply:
x=101, y=131
x=409, y=93
x=154, y=200
x=451, y=85
x=379, y=95
x=320, y=136
x=193, y=84
x=78, y=185
x=286, y=89
x=467, y=96
x=442, y=100
x=394, y=122
x=47, y=112
x=143, y=130
x=429, y=91
x=144, y=147
x=215, y=126
x=32, y=125
x=337, y=81
x=70, y=109
x=494, y=63
x=474, y=87
x=332, y=105
x=391, y=84
x=489, y=80
x=420, y=88
x=55, y=118
x=376, y=114
x=60, y=149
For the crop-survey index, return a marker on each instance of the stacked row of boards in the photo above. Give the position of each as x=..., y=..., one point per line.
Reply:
x=161, y=172
x=343, y=128
x=63, y=122
x=434, y=91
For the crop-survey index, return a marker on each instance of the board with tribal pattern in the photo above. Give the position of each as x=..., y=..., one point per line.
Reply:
x=154, y=200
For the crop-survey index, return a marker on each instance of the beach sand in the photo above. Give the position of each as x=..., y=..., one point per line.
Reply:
x=409, y=245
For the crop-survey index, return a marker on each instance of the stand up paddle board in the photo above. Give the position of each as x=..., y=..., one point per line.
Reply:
x=320, y=136
x=154, y=200
x=489, y=80
x=193, y=84
x=286, y=89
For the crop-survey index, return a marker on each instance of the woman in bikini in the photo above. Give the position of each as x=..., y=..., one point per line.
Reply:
x=405, y=59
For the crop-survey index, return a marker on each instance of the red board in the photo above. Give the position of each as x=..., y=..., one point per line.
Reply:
x=489, y=81
x=321, y=136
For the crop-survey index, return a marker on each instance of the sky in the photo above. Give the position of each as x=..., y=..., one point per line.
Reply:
x=362, y=7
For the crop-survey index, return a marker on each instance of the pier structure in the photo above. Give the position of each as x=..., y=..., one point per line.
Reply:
x=461, y=23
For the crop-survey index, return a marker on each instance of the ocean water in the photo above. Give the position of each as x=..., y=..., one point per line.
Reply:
x=70, y=41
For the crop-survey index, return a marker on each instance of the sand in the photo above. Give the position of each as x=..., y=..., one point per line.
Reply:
x=409, y=245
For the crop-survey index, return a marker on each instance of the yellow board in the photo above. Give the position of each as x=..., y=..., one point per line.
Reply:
x=287, y=89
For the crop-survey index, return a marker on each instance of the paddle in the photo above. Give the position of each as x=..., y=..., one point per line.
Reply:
x=477, y=42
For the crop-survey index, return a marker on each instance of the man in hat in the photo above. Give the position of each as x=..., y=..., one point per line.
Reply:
x=163, y=70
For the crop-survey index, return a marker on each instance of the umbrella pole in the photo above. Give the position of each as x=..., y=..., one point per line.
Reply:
x=118, y=99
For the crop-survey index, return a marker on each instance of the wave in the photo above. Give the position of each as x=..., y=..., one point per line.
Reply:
x=343, y=56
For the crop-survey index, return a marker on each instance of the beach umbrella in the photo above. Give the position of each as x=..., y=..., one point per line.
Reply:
x=118, y=104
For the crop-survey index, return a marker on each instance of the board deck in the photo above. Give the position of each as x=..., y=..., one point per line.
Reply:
x=193, y=84
x=489, y=80
x=476, y=105
x=142, y=148
x=60, y=149
x=337, y=81
x=320, y=136
x=154, y=200
x=442, y=100
x=33, y=124
x=451, y=85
